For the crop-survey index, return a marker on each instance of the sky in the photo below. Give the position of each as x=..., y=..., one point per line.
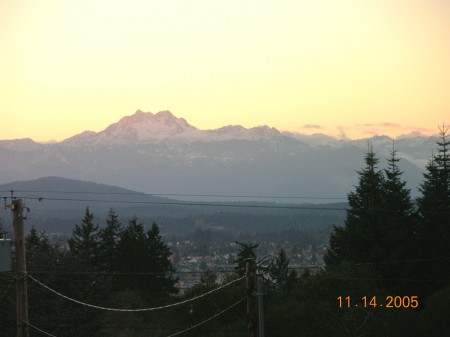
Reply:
x=347, y=68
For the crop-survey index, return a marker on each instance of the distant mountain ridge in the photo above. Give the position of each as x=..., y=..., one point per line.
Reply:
x=141, y=126
x=148, y=127
x=61, y=185
x=56, y=204
x=161, y=153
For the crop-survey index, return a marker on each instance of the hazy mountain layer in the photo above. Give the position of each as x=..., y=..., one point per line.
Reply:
x=57, y=204
x=160, y=153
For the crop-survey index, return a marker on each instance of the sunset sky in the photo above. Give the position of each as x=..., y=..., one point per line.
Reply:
x=347, y=68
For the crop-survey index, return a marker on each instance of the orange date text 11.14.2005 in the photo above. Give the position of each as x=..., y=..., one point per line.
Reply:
x=389, y=302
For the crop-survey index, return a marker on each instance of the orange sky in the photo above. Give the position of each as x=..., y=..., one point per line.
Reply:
x=345, y=68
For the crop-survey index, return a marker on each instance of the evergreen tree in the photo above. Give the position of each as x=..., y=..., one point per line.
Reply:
x=280, y=274
x=208, y=278
x=397, y=196
x=35, y=240
x=38, y=250
x=85, y=241
x=434, y=210
x=380, y=226
x=43, y=256
x=131, y=253
x=109, y=240
x=143, y=259
x=246, y=251
x=159, y=257
x=360, y=239
x=400, y=221
x=434, y=204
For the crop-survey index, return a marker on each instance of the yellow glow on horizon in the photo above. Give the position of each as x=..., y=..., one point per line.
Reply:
x=352, y=67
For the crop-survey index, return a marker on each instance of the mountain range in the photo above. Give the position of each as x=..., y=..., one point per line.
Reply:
x=160, y=153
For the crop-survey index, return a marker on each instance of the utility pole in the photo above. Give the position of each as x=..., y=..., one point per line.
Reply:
x=251, y=317
x=260, y=306
x=21, y=267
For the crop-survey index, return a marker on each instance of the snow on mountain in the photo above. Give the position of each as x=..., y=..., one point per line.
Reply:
x=161, y=152
x=239, y=132
x=142, y=127
x=317, y=139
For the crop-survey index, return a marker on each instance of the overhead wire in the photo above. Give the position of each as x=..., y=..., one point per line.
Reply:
x=172, y=335
x=290, y=206
x=55, y=272
x=134, y=310
x=228, y=205
x=294, y=207
x=207, y=320
x=178, y=194
x=40, y=330
x=202, y=204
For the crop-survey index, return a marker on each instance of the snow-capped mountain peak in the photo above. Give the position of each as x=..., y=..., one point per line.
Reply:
x=149, y=127
x=141, y=127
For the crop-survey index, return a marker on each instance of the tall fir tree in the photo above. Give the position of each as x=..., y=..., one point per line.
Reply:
x=109, y=241
x=159, y=257
x=359, y=240
x=85, y=240
x=399, y=210
x=281, y=276
x=143, y=259
x=397, y=195
x=400, y=226
x=380, y=226
x=434, y=210
x=38, y=250
x=35, y=240
x=434, y=204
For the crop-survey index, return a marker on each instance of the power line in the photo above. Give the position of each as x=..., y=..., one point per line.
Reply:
x=134, y=310
x=40, y=330
x=209, y=319
x=55, y=272
x=207, y=204
x=179, y=194
x=172, y=335
x=216, y=204
x=118, y=327
x=210, y=204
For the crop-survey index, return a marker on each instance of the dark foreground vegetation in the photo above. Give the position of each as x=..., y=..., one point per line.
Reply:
x=386, y=273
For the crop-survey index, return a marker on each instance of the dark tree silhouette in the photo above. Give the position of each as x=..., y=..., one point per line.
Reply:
x=85, y=239
x=434, y=210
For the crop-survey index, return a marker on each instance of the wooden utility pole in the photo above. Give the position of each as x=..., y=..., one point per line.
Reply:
x=21, y=269
x=251, y=317
x=260, y=306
